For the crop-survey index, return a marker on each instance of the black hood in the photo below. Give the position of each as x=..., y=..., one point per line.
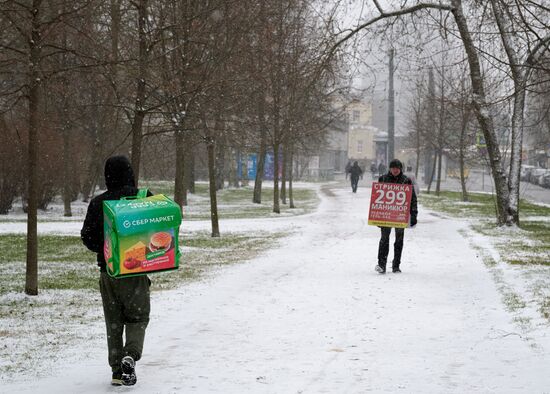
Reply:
x=118, y=173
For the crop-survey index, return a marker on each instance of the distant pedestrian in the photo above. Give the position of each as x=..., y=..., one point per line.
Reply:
x=355, y=173
x=126, y=302
x=395, y=175
x=348, y=168
x=381, y=168
x=373, y=169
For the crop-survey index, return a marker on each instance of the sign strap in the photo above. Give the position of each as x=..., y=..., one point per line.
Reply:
x=142, y=193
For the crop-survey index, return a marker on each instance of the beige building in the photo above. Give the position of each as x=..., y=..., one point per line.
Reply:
x=366, y=143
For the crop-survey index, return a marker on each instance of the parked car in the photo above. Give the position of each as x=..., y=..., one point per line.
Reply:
x=546, y=180
x=524, y=172
x=535, y=175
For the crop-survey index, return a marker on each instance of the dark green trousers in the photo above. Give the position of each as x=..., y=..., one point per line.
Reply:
x=126, y=306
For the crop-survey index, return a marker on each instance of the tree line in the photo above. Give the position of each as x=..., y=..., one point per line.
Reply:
x=205, y=79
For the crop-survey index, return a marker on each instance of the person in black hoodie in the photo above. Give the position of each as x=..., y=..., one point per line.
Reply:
x=355, y=172
x=126, y=302
x=395, y=175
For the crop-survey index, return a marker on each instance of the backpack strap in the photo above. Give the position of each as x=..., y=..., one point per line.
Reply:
x=142, y=193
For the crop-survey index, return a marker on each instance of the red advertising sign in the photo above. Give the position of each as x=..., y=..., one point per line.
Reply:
x=390, y=204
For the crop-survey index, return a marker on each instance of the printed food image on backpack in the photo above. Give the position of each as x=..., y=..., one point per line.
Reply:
x=141, y=234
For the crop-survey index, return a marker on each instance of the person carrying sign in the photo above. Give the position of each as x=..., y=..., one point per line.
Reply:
x=126, y=302
x=395, y=176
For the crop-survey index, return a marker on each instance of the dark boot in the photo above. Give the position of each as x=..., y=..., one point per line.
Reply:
x=128, y=371
x=380, y=269
x=117, y=379
x=395, y=266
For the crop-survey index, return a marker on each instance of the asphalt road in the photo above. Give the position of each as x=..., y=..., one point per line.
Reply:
x=480, y=181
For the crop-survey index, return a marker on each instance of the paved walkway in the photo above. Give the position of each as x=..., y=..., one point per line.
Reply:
x=313, y=317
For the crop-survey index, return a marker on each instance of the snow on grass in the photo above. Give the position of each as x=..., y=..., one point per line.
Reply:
x=68, y=308
x=517, y=257
x=312, y=315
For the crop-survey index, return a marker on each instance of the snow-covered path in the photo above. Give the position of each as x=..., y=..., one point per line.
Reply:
x=314, y=317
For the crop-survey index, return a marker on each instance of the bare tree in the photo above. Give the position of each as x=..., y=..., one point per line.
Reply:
x=506, y=184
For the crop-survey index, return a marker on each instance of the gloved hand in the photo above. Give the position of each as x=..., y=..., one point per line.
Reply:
x=413, y=220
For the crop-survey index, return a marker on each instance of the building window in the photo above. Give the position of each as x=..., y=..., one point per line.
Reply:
x=356, y=116
x=360, y=146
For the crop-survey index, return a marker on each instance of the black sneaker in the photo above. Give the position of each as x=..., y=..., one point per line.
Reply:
x=128, y=371
x=380, y=270
x=396, y=270
x=117, y=379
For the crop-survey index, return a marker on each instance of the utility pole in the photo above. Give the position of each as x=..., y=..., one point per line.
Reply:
x=391, y=112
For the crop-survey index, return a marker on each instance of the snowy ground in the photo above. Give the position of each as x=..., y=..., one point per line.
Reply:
x=314, y=317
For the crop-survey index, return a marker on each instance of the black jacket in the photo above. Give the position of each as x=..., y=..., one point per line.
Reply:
x=402, y=179
x=355, y=172
x=119, y=178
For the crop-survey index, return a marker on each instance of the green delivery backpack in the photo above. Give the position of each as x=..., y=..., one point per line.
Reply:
x=141, y=234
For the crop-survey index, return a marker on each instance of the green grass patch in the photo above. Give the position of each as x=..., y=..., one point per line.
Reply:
x=50, y=248
x=236, y=203
x=530, y=244
x=544, y=308
x=451, y=203
x=65, y=264
x=529, y=261
x=205, y=241
x=513, y=301
x=479, y=204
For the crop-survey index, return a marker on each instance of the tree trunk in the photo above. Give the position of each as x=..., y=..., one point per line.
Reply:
x=234, y=168
x=244, y=169
x=432, y=173
x=137, y=137
x=180, y=190
x=67, y=187
x=461, y=163
x=439, y=165
x=440, y=132
x=290, y=177
x=417, y=153
x=465, y=120
x=238, y=169
x=283, y=178
x=432, y=125
x=276, y=206
x=482, y=112
x=65, y=125
x=31, y=276
x=189, y=172
x=139, y=107
x=520, y=71
x=220, y=163
x=260, y=166
x=211, y=147
x=96, y=159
